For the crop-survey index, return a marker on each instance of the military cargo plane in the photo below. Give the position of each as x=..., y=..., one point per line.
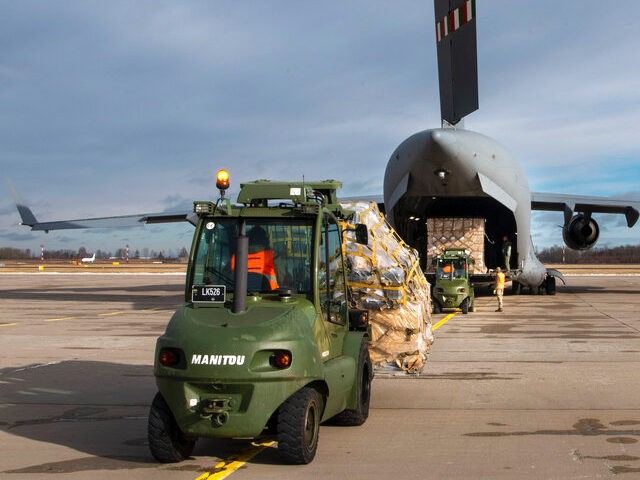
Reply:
x=451, y=172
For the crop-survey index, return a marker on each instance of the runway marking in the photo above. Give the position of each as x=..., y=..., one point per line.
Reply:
x=7, y=324
x=443, y=321
x=234, y=462
x=110, y=314
x=60, y=319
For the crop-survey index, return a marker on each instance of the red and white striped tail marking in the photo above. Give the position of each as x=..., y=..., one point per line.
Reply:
x=455, y=19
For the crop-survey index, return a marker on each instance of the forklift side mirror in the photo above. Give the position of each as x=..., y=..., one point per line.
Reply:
x=362, y=234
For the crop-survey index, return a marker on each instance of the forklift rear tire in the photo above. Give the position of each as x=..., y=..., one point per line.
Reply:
x=357, y=416
x=167, y=442
x=299, y=426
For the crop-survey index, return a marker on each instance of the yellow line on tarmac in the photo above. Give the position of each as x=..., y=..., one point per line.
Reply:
x=110, y=314
x=443, y=321
x=59, y=319
x=234, y=462
x=7, y=324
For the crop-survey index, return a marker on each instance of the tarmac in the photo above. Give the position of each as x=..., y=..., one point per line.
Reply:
x=548, y=389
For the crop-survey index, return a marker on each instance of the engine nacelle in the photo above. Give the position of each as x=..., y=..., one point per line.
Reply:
x=581, y=233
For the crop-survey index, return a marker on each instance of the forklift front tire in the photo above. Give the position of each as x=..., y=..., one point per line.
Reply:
x=357, y=416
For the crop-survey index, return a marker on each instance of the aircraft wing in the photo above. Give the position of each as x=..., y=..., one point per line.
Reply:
x=585, y=204
x=109, y=222
x=121, y=221
x=364, y=198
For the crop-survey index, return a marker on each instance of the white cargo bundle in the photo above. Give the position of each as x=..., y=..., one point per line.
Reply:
x=385, y=278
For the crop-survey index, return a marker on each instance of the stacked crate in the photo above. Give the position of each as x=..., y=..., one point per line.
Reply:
x=460, y=233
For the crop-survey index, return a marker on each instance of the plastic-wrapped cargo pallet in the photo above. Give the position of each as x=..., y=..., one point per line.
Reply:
x=385, y=278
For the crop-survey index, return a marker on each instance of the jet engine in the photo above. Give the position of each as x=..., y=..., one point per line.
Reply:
x=581, y=233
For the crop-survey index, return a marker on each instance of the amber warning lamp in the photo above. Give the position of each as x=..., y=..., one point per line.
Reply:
x=222, y=181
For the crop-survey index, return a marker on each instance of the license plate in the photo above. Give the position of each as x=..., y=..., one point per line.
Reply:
x=208, y=293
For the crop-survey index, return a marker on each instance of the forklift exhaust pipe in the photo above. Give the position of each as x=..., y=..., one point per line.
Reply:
x=241, y=269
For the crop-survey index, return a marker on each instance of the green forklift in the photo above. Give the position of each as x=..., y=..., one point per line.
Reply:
x=266, y=342
x=452, y=288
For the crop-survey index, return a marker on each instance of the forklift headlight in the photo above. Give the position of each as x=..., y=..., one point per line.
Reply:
x=203, y=207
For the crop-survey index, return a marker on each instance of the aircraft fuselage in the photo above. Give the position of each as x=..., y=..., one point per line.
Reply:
x=460, y=173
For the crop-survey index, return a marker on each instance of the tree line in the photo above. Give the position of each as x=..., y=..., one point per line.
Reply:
x=557, y=254
x=10, y=253
x=605, y=255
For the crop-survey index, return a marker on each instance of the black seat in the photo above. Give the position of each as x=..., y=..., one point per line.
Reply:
x=257, y=282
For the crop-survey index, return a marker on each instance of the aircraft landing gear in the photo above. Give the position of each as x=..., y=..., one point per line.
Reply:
x=550, y=285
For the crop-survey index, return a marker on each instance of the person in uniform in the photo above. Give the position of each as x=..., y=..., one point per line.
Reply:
x=500, y=280
x=506, y=253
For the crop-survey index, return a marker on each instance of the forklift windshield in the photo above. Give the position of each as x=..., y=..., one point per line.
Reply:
x=450, y=269
x=279, y=254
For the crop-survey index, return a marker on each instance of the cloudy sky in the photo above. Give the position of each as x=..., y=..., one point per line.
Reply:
x=111, y=108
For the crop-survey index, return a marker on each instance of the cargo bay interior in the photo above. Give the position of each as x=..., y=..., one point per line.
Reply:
x=410, y=216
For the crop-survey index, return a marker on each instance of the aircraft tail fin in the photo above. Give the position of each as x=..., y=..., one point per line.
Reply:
x=457, y=58
x=27, y=216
